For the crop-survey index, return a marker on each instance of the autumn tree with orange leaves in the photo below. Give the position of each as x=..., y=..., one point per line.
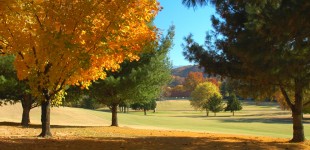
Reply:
x=193, y=79
x=72, y=42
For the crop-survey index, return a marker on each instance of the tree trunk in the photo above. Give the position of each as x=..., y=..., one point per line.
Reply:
x=45, y=118
x=114, y=115
x=233, y=113
x=26, y=104
x=214, y=114
x=26, y=117
x=154, y=111
x=144, y=111
x=298, y=129
x=207, y=112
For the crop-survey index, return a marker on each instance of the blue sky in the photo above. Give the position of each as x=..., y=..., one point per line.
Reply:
x=186, y=21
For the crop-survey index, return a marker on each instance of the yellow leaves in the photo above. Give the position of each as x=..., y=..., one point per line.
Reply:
x=83, y=42
x=79, y=39
x=83, y=32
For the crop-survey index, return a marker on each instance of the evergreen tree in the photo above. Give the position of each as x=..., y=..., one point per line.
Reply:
x=138, y=81
x=233, y=104
x=264, y=44
x=215, y=104
x=146, y=106
x=12, y=90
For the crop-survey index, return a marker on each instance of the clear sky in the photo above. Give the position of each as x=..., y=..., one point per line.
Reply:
x=186, y=21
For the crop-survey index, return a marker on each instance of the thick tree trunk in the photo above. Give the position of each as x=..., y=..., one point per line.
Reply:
x=26, y=104
x=207, y=112
x=233, y=113
x=114, y=115
x=298, y=129
x=26, y=117
x=45, y=118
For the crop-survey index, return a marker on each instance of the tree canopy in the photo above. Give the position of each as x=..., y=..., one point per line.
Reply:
x=10, y=88
x=215, y=104
x=233, y=104
x=137, y=81
x=264, y=44
x=57, y=43
x=193, y=79
x=72, y=42
x=202, y=95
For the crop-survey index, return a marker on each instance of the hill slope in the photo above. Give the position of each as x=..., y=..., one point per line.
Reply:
x=184, y=70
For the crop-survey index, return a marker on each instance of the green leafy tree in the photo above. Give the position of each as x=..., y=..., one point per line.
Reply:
x=12, y=90
x=233, y=104
x=215, y=104
x=139, y=81
x=202, y=94
x=77, y=97
x=151, y=105
x=264, y=44
x=110, y=92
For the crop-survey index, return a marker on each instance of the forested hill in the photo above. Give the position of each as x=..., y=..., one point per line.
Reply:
x=184, y=70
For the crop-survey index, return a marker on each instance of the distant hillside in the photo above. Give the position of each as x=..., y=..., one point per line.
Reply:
x=184, y=70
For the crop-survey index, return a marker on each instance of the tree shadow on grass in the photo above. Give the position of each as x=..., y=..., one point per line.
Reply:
x=145, y=143
x=261, y=120
x=269, y=120
x=35, y=126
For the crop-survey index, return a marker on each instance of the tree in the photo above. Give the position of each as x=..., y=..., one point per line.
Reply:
x=233, y=104
x=215, y=104
x=138, y=81
x=146, y=106
x=110, y=92
x=264, y=44
x=202, y=94
x=193, y=79
x=60, y=43
x=214, y=81
x=12, y=90
x=152, y=76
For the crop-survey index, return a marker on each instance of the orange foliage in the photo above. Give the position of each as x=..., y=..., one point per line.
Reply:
x=72, y=42
x=193, y=79
x=214, y=81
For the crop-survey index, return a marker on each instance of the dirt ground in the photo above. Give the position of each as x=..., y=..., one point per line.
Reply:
x=14, y=137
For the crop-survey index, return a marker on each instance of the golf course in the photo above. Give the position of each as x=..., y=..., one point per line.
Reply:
x=263, y=125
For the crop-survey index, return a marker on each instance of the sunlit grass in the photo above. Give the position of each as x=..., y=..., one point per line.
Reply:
x=265, y=119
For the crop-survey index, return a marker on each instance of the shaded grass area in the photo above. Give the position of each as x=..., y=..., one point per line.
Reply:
x=146, y=143
x=98, y=138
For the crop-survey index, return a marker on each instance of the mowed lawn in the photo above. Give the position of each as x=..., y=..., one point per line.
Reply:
x=264, y=119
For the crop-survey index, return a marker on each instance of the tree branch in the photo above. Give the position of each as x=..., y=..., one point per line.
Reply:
x=37, y=18
x=287, y=99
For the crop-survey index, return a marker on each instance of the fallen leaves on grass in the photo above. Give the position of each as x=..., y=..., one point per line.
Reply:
x=97, y=138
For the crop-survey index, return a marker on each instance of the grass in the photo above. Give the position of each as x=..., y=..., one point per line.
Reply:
x=265, y=119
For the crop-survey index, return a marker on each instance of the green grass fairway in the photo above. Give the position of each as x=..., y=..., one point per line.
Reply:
x=265, y=119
